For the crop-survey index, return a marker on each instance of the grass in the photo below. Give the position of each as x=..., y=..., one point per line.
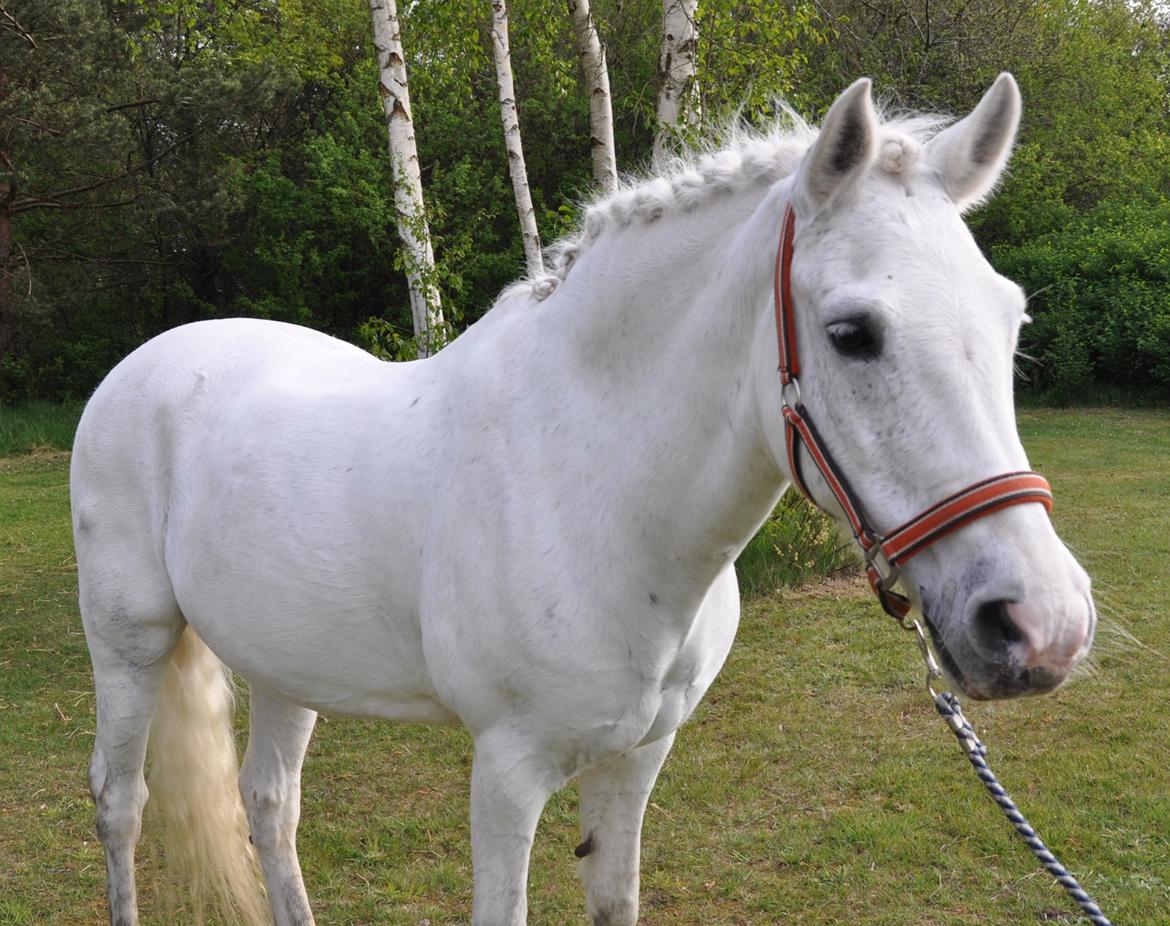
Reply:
x=37, y=426
x=815, y=785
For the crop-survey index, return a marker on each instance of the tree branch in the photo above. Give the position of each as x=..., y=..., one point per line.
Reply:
x=26, y=205
x=9, y=22
x=121, y=106
x=53, y=201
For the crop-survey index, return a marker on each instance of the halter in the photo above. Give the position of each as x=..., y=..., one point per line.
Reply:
x=884, y=554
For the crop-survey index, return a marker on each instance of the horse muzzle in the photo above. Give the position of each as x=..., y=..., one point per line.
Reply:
x=1006, y=648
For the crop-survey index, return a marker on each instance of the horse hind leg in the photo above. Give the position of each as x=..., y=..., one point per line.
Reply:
x=156, y=681
x=270, y=784
x=129, y=657
x=613, y=796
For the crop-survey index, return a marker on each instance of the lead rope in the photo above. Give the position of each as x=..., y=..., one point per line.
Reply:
x=948, y=708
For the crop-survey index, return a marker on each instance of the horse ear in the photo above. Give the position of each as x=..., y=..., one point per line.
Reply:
x=970, y=155
x=843, y=149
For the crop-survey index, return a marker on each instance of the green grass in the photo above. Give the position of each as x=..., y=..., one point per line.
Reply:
x=814, y=786
x=37, y=426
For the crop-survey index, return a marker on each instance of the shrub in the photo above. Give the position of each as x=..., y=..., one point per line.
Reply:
x=1099, y=290
x=797, y=544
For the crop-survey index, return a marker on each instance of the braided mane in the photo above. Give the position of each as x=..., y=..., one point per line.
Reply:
x=746, y=159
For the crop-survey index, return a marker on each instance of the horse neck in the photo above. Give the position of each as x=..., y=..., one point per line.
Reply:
x=659, y=329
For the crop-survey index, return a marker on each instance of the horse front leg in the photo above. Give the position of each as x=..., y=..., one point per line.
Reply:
x=613, y=796
x=510, y=784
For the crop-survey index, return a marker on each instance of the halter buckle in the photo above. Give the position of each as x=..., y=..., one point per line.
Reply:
x=876, y=560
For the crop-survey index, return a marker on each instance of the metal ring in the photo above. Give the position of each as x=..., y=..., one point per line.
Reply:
x=932, y=668
x=793, y=385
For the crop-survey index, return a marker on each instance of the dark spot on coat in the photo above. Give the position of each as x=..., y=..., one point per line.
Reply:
x=653, y=598
x=585, y=848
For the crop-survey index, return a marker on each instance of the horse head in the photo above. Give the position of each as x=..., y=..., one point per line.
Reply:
x=907, y=336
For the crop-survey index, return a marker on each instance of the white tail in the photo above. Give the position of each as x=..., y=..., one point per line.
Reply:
x=194, y=798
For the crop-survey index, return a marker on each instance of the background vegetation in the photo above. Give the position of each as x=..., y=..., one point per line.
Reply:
x=814, y=785
x=163, y=161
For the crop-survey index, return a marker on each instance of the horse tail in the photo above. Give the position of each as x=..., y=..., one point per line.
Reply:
x=196, y=802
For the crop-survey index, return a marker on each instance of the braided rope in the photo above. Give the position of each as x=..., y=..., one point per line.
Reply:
x=948, y=706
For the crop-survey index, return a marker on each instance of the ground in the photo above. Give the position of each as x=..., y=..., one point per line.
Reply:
x=815, y=785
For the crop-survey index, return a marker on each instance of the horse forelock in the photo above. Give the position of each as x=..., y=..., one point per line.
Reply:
x=746, y=159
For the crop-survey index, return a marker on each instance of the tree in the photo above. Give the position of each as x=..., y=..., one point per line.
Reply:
x=408, y=199
x=515, y=149
x=163, y=161
x=676, y=71
x=64, y=150
x=753, y=53
x=592, y=55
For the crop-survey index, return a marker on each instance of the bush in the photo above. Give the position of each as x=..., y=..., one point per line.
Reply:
x=797, y=544
x=1099, y=290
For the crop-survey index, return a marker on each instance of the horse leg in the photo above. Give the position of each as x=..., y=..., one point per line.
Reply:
x=270, y=784
x=509, y=788
x=126, y=684
x=613, y=796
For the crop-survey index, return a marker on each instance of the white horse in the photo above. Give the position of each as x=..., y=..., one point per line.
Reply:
x=532, y=533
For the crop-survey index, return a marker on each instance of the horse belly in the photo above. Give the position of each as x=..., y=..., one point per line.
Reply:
x=294, y=588
x=360, y=663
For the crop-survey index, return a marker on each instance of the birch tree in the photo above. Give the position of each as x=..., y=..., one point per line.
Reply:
x=425, y=306
x=676, y=73
x=592, y=55
x=511, y=119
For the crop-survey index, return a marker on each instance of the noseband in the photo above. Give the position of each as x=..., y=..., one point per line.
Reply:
x=884, y=553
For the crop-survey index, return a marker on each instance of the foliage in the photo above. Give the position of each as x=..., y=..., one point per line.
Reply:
x=797, y=544
x=164, y=161
x=750, y=57
x=1100, y=301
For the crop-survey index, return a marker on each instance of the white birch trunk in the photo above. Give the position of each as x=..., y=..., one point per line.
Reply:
x=676, y=73
x=592, y=55
x=408, y=198
x=515, y=149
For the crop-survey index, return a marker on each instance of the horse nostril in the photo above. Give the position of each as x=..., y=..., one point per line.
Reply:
x=994, y=627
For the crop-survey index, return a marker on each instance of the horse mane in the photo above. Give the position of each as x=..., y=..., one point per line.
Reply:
x=745, y=158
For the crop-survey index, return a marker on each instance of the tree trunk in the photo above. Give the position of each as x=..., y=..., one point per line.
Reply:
x=408, y=198
x=592, y=55
x=676, y=73
x=511, y=120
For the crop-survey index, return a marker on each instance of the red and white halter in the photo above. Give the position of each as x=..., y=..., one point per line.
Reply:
x=884, y=553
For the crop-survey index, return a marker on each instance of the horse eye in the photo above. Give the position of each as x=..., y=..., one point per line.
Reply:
x=855, y=339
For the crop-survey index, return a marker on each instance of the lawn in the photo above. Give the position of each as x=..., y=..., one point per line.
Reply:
x=815, y=785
